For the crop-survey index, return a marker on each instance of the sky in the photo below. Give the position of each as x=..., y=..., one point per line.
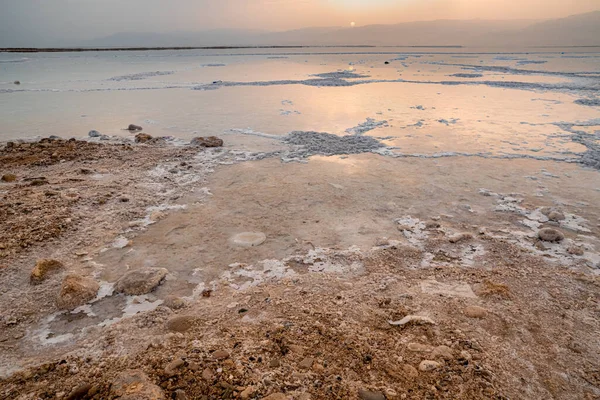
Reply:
x=44, y=21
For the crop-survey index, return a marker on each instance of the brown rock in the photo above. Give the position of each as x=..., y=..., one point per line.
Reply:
x=8, y=178
x=459, y=237
x=274, y=363
x=247, y=393
x=429, y=365
x=220, y=355
x=276, y=396
x=174, y=302
x=173, y=366
x=208, y=375
x=79, y=392
x=141, y=281
x=135, y=385
x=410, y=371
x=306, y=363
x=143, y=138
x=76, y=290
x=181, y=323
x=444, y=352
x=418, y=347
x=475, y=312
x=180, y=395
x=550, y=235
x=211, y=141
x=576, y=250
x=556, y=216
x=133, y=127
x=364, y=394
x=43, y=268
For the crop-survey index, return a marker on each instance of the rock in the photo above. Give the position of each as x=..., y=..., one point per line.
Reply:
x=418, y=347
x=93, y=133
x=173, y=366
x=180, y=395
x=248, y=239
x=208, y=375
x=211, y=141
x=133, y=127
x=576, y=250
x=141, y=281
x=410, y=371
x=17, y=82
x=247, y=393
x=556, y=216
x=9, y=178
x=79, y=392
x=429, y=365
x=181, y=323
x=76, y=290
x=465, y=356
x=414, y=319
x=459, y=237
x=174, y=302
x=475, y=312
x=143, y=138
x=307, y=363
x=444, y=352
x=274, y=363
x=220, y=355
x=364, y=394
x=432, y=225
x=43, y=268
x=550, y=235
x=276, y=396
x=135, y=385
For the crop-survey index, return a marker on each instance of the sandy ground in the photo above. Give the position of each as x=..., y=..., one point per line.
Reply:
x=353, y=243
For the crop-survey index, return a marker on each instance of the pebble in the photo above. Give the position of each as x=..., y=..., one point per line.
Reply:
x=211, y=141
x=208, y=375
x=415, y=319
x=429, y=365
x=459, y=237
x=444, y=352
x=247, y=393
x=556, y=216
x=76, y=290
x=17, y=82
x=174, y=302
x=133, y=127
x=418, y=347
x=306, y=363
x=171, y=368
x=181, y=323
x=141, y=281
x=134, y=384
x=475, y=312
x=220, y=355
x=550, y=235
x=143, y=138
x=410, y=371
x=274, y=363
x=576, y=250
x=180, y=395
x=248, y=239
x=9, y=178
x=43, y=268
x=94, y=134
x=276, y=396
x=79, y=392
x=364, y=394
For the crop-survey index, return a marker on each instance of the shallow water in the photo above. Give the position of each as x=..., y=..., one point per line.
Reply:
x=493, y=101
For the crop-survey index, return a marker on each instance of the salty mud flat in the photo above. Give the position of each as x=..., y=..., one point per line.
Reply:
x=399, y=255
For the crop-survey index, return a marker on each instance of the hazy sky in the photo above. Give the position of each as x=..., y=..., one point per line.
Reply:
x=85, y=19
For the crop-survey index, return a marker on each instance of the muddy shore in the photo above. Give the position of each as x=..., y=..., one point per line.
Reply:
x=377, y=277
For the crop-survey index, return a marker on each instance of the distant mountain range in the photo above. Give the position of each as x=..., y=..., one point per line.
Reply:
x=576, y=30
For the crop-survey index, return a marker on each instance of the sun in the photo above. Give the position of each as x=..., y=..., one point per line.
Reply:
x=353, y=24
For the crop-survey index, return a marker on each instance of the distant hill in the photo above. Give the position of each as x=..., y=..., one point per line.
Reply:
x=577, y=30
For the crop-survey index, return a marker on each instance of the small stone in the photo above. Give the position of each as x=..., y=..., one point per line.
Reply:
x=93, y=133
x=181, y=323
x=220, y=355
x=432, y=225
x=135, y=385
x=274, y=363
x=9, y=178
x=556, y=216
x=208, y=375
x=364, y=394
x=475, y=312
x=459, y=237
x=306, y=363
x=248, y=239
x=247, y=393
x=174, y=302
x=43, y=268
x=141, y=281
x=550, y=235
x=180, y=395
x=410, y=371
x=76, y=291
x=465, y=355
x=79, y=392
x=418, y=347
x=173, y=366
x=143, y=138
x=17, y=82
x=412, y=319
x=444, y=352
x=133, y=127
x=429, y=365
x=211, y=141
x=575, y=250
